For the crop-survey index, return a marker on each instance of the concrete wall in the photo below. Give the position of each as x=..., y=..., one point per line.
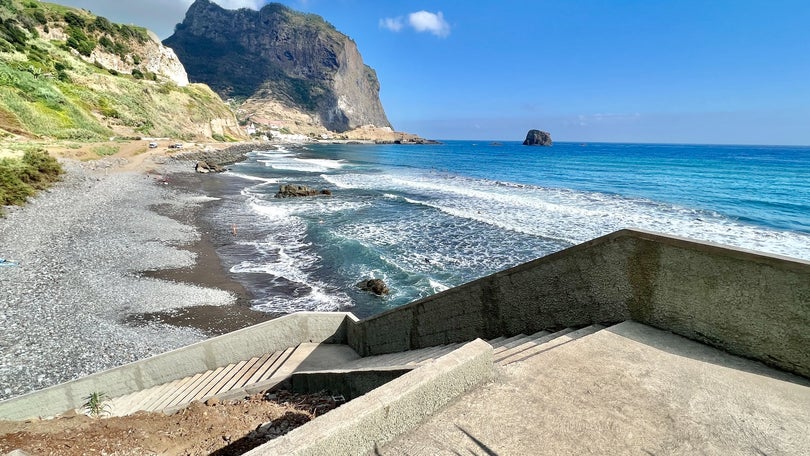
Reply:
x=270, y=336
x=752, y=305
x=749, y=304
x=375, y=418
x=579, y=286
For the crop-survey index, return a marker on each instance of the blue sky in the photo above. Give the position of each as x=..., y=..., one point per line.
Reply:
x=734, y=72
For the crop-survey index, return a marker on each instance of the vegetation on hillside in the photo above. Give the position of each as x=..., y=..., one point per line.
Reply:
x=21, y=178
x=48, y=90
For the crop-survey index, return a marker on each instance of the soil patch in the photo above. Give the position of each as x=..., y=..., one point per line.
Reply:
x=213, y=428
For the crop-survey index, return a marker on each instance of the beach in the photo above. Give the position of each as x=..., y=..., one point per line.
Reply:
x=124, y=258
x=113, y=264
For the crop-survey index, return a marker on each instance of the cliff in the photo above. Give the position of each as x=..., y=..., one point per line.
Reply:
x=68, y=74
x=287, y=66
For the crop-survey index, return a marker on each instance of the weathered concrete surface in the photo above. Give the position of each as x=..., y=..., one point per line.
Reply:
x=628, y=389
x=270, y=336
x=386, y=412
x=750, y=304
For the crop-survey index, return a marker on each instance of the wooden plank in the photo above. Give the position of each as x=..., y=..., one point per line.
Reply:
x=285, y=355
x=179, y=391
x=149, y=402
x=271, y=361
x=246, y=377
x=238, y=375
x=219, y=387
x=213, y=384
x=199, y=382
x=202, y=385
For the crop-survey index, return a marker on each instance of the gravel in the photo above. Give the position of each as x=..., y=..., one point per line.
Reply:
x=79, y=248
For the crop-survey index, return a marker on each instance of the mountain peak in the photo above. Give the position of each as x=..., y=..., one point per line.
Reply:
x=280, y=57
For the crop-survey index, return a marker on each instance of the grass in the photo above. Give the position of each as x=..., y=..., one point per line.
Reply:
x=23, y=177
x=105, y=150
x=48, y=92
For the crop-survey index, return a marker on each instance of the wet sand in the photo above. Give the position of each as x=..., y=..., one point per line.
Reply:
x=208, y=270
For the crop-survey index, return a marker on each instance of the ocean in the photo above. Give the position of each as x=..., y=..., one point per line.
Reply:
x=429, y=217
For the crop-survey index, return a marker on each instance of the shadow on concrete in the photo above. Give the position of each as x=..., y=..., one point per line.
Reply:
x=698, y=351
x=483, y=447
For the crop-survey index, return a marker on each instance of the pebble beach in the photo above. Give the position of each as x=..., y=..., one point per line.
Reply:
x=79, y=250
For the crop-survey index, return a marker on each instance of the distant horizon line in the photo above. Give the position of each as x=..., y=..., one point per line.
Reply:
x=632, y=142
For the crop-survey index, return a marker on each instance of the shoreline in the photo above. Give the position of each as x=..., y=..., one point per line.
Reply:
x=208, y=271
x=79, y=300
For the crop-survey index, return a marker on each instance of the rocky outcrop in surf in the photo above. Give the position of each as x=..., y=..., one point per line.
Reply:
x=292, y=191
x=537, y=138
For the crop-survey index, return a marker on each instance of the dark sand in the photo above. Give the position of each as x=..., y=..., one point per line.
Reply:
x=208, y=271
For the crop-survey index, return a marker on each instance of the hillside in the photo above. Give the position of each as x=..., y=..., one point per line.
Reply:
x=288, y=69
x=68, y=74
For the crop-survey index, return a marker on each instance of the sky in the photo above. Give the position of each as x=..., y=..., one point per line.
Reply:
x=654, y=71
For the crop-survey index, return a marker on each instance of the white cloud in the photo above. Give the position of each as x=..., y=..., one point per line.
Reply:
x=420, y=21
x=393, y=24
x=425, y=21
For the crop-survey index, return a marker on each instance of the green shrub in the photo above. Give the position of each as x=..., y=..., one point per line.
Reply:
x=106, y=43
x=40, y=17
x=103, y=151
x=137, y=74
x=21, y=178
x=74, y=20
x=103, y=24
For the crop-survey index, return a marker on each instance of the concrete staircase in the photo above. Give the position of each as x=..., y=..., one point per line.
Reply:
x=267, y=369
x=272, y=368
x=522, y=347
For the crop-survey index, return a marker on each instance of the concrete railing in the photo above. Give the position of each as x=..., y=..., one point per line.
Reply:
x=267, y=337
x=380, y=415
x=749, y=304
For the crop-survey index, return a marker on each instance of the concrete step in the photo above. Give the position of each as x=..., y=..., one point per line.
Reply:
x=505, y=340
x=544, y=343
x=526, y=343
x=232, y=377
x=410, y=357
x=517, y=342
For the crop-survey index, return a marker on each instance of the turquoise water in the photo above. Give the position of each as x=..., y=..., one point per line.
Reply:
x=425, y=218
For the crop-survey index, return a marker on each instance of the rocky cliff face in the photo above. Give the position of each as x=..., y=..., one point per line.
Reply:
x=278, y=58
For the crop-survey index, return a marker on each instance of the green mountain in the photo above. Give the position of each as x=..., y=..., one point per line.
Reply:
x=68, y=74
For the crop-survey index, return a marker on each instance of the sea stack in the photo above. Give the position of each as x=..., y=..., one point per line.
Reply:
x=537, y=138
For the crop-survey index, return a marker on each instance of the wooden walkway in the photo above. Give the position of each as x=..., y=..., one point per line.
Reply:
x=266, y=368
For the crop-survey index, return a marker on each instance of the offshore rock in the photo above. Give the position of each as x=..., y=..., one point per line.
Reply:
x=203, y=166
x=376, y=286
x=537, y=138
x=277, y=57
x=292, y=191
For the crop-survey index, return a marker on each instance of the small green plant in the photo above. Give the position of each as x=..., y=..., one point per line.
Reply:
x=96, y=406
x=103, y=151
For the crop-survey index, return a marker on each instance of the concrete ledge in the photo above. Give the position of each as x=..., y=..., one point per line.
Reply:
x=270, y=336
x=349, y=383
x=377, y=417
x=750, y=304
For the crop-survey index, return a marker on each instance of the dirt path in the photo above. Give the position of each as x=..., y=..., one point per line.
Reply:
x=227, y=428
